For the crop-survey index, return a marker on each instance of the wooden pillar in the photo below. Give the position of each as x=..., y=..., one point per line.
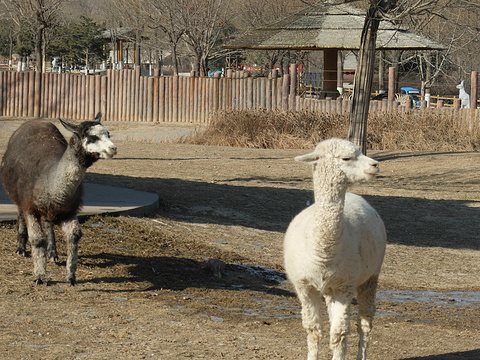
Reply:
x=330, y=62
x=293, y=87
x=340, y=70
x=175, y=98
x=391, y=84
x=2, y=91
x=474, y=90
x=191, y=99
x=137, y=111
x=161, y=99
x=91, y=98
x=149, y=99
x=103, y=95
x=26, y=93
x=285, y=92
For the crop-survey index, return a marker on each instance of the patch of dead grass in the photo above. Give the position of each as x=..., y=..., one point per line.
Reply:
x=431, y=130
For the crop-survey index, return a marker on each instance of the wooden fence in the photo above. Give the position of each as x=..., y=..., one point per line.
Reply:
x=124, y=95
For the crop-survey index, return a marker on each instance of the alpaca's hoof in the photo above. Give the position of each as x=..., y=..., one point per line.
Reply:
x=53, y=257
x=40, y=280
x=72, y=280
x=21, y=252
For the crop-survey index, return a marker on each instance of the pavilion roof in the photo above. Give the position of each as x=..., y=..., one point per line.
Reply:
x=327, y=26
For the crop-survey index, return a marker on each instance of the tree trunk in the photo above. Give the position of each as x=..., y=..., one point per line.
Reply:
x=39, y=49
x=357, y=132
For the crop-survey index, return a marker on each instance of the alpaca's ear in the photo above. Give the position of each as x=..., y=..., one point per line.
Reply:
x=309, y=158
x=70, y=127
x=98, y=117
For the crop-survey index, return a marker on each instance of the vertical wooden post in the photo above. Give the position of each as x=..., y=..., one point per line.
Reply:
x=149, y=99
x=73, y=96
x=48, y=95
x=144, y=82
x=268, y=94
x=195, y=98
x=249, y=94
x=263, y=95
x=391, y=84
x=293, y=86
x=97, y=95
x=18, y=85
x=91, y=97
x=103, y=95
x=108, y=112
x=63, y=95
x=204, y=100
x=191, y=99
x=138, y=72
x=60, y=90
x=161, y=99
x=285, y=92
x=156, y=82
x=330, y=61
x=2, y=91
x=83, y=97
x=474, y=90
x=168, y=98
x=216, y=93
x=473, y=99
x=175, y=98
x=26, y=93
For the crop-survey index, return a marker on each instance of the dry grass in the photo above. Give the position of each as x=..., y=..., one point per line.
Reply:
x=282, y=130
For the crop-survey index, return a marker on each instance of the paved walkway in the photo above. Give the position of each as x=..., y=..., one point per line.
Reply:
x=97, y=199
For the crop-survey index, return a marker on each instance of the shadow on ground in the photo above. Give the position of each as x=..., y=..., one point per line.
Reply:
x=179, y=273
x=466, y=355
x=409, y=221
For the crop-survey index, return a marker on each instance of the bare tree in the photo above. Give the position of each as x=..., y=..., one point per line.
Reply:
x=203, y=21
x=164, y=15
x=37, y=17
x=378, y=10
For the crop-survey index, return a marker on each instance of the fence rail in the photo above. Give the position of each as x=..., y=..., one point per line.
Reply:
x=125, y=95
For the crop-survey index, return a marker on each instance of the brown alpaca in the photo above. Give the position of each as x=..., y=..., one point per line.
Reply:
x=43, y=176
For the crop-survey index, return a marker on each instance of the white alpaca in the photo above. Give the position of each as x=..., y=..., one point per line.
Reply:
x=463, y=96
x=334, y=249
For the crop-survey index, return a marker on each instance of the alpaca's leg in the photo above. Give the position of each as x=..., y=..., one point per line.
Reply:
x=22, y=234
x=51, y=245
x=312, y=306
x=338, y=305
x=366, y=312
x=39, y=246
x=72, y=232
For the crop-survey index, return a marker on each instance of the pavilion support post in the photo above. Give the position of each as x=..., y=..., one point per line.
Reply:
x=340, y=71
x=330, y=62
x=391, y=86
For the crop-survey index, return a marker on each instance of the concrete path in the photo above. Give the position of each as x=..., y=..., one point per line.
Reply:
x=98, y=199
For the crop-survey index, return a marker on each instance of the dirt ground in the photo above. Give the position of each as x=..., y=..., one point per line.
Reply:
x=147, y=287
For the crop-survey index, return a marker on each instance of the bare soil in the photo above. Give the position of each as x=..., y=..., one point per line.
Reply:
x=147, y=286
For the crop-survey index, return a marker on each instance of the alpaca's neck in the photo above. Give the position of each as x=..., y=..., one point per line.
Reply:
x=329, y=219
x=66, y=176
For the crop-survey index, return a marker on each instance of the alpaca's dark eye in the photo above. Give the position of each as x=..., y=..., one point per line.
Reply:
x=347, y=158
x=92, y=138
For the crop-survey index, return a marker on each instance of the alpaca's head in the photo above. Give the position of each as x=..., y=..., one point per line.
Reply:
x=93, y=137
x=339, y=161
x=461, y=85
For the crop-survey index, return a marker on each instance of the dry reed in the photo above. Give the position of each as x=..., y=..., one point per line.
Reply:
x=428, y=130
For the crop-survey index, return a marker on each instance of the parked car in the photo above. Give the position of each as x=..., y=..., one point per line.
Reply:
x=414, y=94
